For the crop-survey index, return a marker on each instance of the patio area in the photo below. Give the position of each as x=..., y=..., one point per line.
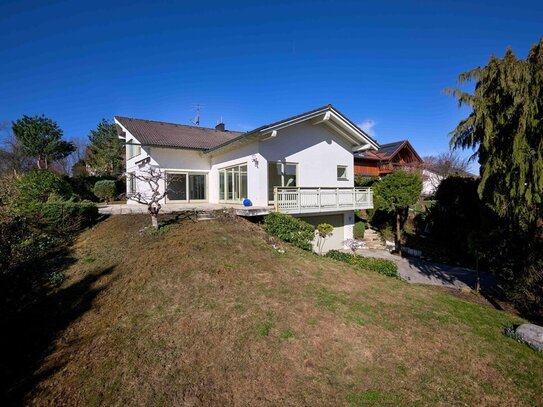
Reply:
x=127, y=209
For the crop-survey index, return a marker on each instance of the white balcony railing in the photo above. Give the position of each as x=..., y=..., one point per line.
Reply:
x=315, y=200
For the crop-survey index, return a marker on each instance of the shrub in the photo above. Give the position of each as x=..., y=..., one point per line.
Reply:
x=105, y=189
x=324, y=231
x=59, y=217
x=359, y=229
x=340, y=256
x=290, y=229
x=365, y=180
x=381, y=266
x=68, y=216
x=38, y=185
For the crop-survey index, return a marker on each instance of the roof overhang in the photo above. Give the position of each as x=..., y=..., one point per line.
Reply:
x=326, y=116
x=334, y=120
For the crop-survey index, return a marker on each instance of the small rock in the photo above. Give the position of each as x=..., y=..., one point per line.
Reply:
x=532, y=335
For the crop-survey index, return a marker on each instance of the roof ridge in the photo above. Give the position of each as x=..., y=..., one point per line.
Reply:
x=393, y=142
x=177, y=124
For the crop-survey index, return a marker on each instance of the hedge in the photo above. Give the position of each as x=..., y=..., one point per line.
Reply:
x=63, y=216
x=381, y=266
x=38, y=185
x=290, y=229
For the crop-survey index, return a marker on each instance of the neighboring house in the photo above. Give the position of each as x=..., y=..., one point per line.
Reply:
x=302, y=165
x=386, y=159
x=430, y=182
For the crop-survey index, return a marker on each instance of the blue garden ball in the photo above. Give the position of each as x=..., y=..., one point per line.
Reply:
x=247, y=202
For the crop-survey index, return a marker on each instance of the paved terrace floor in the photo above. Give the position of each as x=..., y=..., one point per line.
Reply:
x=127, y=209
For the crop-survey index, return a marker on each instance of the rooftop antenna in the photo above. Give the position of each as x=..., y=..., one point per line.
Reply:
x=196, y=120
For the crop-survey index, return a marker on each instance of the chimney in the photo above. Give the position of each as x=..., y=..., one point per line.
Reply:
x=220, y=126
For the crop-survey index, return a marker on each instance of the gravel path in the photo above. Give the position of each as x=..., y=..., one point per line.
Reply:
x=420, y=271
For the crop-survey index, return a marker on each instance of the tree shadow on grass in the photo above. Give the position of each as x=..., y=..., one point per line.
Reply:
x=453, y=275
x=31, y=322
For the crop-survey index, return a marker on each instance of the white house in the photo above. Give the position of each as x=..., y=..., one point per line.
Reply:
x=302, y=165
x=430, y=182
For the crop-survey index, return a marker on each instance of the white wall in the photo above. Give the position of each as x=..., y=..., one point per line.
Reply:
x=343, y=229
x=316, y=150
x=256, y=174
x=430, y=182
x=168, y=159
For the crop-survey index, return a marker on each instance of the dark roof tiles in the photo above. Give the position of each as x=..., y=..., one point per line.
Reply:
x=162, y=134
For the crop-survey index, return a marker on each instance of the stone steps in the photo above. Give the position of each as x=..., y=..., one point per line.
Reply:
x=205, y=215
x=373, y=240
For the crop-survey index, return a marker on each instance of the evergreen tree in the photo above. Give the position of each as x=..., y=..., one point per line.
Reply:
x=395, y=193
x=505, y=128
x=106, y=151
x=41, y=139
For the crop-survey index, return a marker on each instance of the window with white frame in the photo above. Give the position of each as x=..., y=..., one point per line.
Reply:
x=281, y=174
x=342, y=173
x=132, y=150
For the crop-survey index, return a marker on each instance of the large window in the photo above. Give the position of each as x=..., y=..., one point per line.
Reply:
x=183, y=186
x=281, y=175
x=233, y=183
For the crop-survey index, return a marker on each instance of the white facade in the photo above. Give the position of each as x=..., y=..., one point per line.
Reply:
x=317, y=152
x=430, y=182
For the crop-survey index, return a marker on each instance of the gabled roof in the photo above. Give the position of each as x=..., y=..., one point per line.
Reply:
x=163, y=134
x=325, y=114
x=387, y=151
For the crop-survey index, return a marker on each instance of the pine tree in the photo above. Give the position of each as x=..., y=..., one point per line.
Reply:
x=106, y=152
x=41, y=139
x=505, y=128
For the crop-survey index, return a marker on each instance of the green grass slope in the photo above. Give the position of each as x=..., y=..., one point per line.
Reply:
x=210, y=313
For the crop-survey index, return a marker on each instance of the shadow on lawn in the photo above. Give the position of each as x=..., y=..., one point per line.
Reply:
x=32, y=316
x=454, y=274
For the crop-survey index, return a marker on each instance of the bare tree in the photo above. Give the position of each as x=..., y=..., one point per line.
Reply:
x=67, y=163
x=12, y=158
x=150, y=195
x=446, y=164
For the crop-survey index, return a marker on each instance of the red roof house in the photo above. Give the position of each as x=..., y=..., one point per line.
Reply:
x=386, y=159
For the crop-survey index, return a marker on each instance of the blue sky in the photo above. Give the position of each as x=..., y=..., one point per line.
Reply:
x=383, y=64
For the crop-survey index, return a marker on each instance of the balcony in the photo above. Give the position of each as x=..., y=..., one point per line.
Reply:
x=297, y=200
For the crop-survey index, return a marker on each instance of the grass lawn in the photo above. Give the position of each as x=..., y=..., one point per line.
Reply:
x=209, y=313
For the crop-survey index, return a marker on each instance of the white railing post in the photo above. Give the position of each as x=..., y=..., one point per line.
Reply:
x=276, y=199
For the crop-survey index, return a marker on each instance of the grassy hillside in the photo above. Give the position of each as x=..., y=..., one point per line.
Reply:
x=210, y=313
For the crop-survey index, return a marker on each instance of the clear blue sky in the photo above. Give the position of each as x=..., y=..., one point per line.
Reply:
x=382, y=63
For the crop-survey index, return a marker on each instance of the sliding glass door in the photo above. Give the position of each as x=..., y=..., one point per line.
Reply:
x=281, y=175
x=233, y=184
x=185, y=187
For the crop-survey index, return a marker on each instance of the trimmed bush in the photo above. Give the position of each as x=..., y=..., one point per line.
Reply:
x=359, y=229
x=38, y=185
x=381, y=266
x=83, y=185
x=105, y=189
x=290, y=229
